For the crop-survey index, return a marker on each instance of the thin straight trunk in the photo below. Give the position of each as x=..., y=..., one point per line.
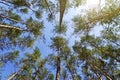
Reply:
x=71, y=72
x=62, y=9
x=58, y=66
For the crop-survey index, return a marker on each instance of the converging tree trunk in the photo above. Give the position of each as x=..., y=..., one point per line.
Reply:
x=58, y=66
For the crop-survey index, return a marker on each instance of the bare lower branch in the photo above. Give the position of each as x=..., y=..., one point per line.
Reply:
x=14, y=74
x=48, y=6
x=12, y=27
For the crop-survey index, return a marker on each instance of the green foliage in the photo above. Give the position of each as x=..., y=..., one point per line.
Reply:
x=78, y=2
x=81, y=24
x=51, y=60
x=38, y=14
x=34, y=26
x=13, y=34
x=66, y=50
x=30, y=43
x=32, y=66
x=60, y=30
x=96, y=51
x=14, y=16
x=51, y=17
x=34, y=57
x=8, y=57
x=58, y=42
x=24, y=10
x=51, y=77
x=110, y=34
x=78, y=77
x=21, y=2
x=84, y=69
x=84, y=53
x=13, y=55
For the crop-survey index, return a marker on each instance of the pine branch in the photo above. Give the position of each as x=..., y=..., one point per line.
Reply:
x=14, y=42
x=7, y=17
x=104, y=16
x=115, y=43
x=14, y=74
x=98, y=75
x=48, y=6
x=28, y=5
x=101, y=50
x=97, y=68
x=12, y=27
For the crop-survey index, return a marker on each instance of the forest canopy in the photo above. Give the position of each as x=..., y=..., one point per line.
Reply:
x=59, y=40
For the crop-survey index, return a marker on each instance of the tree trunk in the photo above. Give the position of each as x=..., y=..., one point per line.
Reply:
x=71, y=72
x=58, y=66
x=62, y=9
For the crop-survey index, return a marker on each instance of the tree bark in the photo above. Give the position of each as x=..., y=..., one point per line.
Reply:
x=58, y=66
x=62, y=9
x=71, y=72
x=12, y=27
x=14, y=74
